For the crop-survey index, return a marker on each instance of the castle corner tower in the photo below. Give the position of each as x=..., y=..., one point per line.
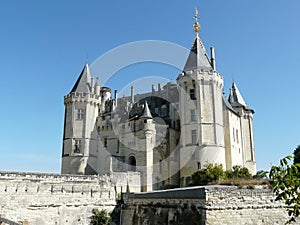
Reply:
x=80, y=136
x=201, y=111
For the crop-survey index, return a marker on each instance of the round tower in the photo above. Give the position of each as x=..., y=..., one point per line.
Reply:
x=201, y=111
x=80, y=135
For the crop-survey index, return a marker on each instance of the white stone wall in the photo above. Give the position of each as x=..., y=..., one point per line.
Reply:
x=53, y=199
x=234, y=140
x=209, y=205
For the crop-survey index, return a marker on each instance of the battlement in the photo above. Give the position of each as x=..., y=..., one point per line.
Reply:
x=59, y=199
x=39, y=182
x=82, y=97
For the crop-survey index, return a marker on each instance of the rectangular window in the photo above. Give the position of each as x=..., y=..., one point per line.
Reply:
x=80, y=114
x=233, y=135
x=192, y=94
x=194, y=136
x=105, y=142
x=163, y=110
x=237, y=136
x=193, y=115
x=198, y=165
x=160, y=166
x=77, y=148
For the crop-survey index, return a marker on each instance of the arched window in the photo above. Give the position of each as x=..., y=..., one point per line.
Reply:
x=132, y=163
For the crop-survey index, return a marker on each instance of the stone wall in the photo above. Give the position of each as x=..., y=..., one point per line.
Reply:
x=54, y=199
x=210, y=205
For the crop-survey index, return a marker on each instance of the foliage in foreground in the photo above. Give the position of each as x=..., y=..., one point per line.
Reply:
x=297, y=155
x=238, y=172
x=209, y=174
x=99, y=217
x=286, y=186
x=214, y=174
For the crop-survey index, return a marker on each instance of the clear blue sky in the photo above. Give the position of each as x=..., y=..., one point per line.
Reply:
x=44, y=45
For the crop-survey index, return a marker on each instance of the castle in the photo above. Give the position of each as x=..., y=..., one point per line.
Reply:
x=166, y=134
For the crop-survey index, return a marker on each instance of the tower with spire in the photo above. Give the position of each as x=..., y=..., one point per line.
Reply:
x=80, y=137
x=164, y=135
x=201, y=110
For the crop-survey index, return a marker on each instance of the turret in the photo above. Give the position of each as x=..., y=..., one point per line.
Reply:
x=201, y=112
x=246, y=114
x=79, y=140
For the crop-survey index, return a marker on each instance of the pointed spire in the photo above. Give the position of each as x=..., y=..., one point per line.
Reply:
x=197, y=58
x=83, y=83
x=235, y=97
x=146, y=112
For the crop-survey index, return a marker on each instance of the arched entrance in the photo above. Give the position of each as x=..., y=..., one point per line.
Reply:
x=132, y=163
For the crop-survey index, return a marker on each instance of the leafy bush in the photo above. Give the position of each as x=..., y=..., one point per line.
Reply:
x=261, y=175
x=99, y=217
x=207, y=175
x=286, y=182
x=238, y=172
x=297, y=155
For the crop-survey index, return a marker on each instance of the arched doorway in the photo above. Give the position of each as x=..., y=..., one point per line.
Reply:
x=132, y=163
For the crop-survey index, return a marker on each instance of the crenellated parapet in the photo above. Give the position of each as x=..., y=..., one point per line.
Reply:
x=204, y=75
x=82, y=97
x=54, y=199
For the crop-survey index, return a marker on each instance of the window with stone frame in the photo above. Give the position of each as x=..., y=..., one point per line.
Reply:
x=192, y=94
x=193, y=115
x=77, y=146
x=194, y=136
x=80, y=114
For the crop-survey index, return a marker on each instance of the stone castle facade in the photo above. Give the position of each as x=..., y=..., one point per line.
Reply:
x=166, y=134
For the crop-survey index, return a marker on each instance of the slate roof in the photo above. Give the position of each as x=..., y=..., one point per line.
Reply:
x=197, y=58
x=83, y=81
x=146, y=112
x=235, y=98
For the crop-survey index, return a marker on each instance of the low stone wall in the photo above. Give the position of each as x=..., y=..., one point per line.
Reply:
x=53, y=199
x=209, y=205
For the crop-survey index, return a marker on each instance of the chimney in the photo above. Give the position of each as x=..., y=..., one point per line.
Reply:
x=92, y=84
x=132, y=95
x=159, y=88
x=212, y=58
x=153, y=89
x=116, y=98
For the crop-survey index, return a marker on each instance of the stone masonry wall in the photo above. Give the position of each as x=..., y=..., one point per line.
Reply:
x=54, y=199
x=209, y=205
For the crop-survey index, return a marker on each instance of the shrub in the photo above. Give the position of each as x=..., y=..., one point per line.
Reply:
x=238, y=172
x=99, y=217
x=207, y=175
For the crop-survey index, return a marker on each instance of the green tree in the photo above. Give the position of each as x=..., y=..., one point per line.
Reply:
x=286, y=183
x=297, y=155
x=261, y=174
x=208, y=174
x=99, y=217
x=238, y=172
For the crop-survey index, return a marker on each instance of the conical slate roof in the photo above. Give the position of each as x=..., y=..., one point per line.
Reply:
x=83, y=82
x=235, y=97
x=146, y=112
x=197, y=58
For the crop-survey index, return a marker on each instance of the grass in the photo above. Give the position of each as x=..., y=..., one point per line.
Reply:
x=244, y=183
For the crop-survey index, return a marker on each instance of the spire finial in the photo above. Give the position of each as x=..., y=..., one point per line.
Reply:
x=196, y=24
x=87, y=58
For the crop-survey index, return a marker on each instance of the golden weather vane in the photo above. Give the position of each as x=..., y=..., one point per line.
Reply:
x=196, y=24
